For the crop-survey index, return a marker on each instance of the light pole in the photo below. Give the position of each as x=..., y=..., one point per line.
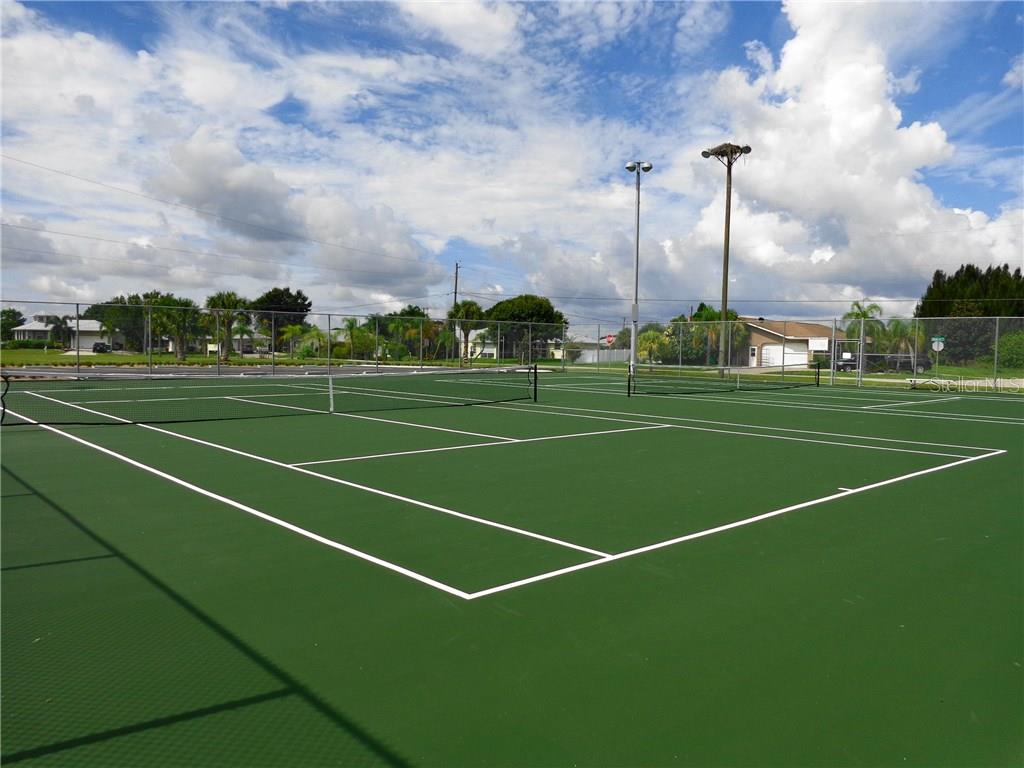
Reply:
x=636, y=167
x=726, y=154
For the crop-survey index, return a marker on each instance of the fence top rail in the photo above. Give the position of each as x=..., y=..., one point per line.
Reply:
x=609, y=323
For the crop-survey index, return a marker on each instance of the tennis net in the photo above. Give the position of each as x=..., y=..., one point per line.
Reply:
x=656, y=379
x=121, y=398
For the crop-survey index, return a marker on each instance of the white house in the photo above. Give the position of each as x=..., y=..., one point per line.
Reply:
x=83, y=332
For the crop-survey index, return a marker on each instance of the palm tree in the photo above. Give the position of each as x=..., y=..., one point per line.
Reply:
x=648, y=344
x=289, y=334
x=316, y=338
x=230, y=306
x=60, y=329
x=862, y=323
x=468, y=314
x=178, y=318
x=243, y=329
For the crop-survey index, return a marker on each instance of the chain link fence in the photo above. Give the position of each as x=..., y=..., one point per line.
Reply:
x=861, y=351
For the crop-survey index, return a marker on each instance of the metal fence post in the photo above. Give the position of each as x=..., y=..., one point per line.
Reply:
x=995, y=358
x=273, y=343
x=376, y=345
x=421, y=342
x=149, y=337
x=860, y=356
x=216, y=324
x=78, y=341
x=832, y=357
x=564, y=350
x=328, y=344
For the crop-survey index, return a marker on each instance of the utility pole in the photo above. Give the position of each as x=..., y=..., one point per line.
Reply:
x=455, y=301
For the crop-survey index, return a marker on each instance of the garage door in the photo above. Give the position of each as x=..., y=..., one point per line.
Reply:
x=795, y=355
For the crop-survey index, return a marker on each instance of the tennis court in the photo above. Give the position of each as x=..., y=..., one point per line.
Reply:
x=513, y=567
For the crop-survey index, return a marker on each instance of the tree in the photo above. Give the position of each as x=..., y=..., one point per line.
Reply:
x=10, y=319
x=648, y=345
x=468, y=314
x=230, y=306
x=60, y=329
x=971, y=292
x=124, y=314
x=175, y=317
x=524, y=319
x=243, y=329
x=290, y=334
x=279, y=307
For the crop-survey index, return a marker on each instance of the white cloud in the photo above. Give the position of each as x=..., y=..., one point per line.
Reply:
x=486, y=30
x=699, y=25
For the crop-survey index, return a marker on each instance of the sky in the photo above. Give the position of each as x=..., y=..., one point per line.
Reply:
x=357, y=151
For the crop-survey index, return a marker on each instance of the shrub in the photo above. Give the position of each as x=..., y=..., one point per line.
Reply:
x=32, y=344
x=1011, y=350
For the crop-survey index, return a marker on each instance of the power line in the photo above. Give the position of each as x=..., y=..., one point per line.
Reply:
x=186, y=252
x=221, y=217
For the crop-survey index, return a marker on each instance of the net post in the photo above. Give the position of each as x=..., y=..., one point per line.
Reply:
x=535, y=382
x=630, y=384
x=5, y=383
x=817, y=373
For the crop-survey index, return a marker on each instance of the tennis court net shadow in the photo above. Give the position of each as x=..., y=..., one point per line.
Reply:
x=67, y=702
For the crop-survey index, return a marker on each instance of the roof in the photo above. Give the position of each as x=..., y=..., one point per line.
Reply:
x=85, y=326
x=33, y=325
x=793, y=329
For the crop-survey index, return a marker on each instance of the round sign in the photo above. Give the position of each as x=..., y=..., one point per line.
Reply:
x=938, y=346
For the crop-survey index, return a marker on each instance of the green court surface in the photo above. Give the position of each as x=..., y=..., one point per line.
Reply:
x=818, y=576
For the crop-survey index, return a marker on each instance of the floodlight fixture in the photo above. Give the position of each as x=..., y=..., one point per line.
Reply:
x=726, y=154
x=636, y=166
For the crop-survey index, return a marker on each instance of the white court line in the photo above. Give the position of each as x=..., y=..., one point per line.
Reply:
x=257, y=513
x=663, y=418
x=911, y=402
x=753, y=434
x=480, y=445
x=776, y=403
x=349, y=483
x=720, y=528
x=373, y=418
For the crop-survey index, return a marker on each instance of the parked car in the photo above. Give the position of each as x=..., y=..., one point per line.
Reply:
x=100, y=346
x=846, y=365
x=913, y=363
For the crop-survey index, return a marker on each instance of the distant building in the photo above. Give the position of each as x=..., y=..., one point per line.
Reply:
x=776, y=343
x=82, y=332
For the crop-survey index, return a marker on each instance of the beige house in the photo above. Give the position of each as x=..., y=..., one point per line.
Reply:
x=787, y=342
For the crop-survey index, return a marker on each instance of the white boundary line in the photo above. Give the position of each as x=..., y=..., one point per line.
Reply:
x=350, y=484
x=481, y=445
x=911, y=402
x=777, y=403
x=664, y=417
x=371, y=418
x=719, y=529
x=602, y=558
x=257, y=513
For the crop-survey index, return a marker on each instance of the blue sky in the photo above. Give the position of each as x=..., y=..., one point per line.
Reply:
x=357, y=150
